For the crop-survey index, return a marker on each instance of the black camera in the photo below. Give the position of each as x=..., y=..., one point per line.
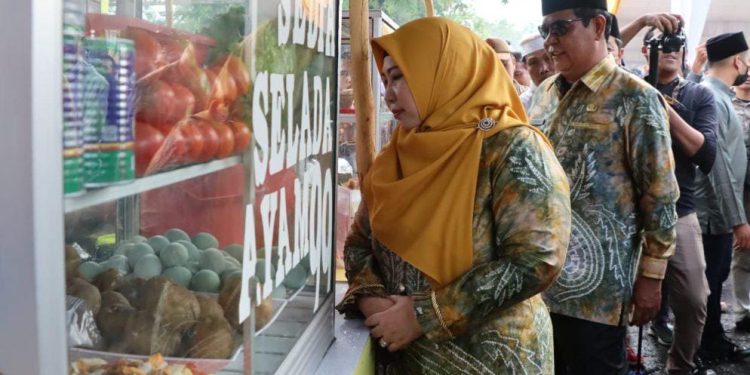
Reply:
x=668, y=42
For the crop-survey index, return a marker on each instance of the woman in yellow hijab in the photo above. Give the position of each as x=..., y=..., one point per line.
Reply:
x=466, y=216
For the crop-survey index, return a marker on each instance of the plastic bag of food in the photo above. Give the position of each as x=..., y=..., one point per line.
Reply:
x=81, y=322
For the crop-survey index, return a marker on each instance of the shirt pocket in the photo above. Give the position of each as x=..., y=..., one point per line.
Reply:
x=596, y=122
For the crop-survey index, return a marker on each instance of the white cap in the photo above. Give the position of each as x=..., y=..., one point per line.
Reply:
x=531, y=44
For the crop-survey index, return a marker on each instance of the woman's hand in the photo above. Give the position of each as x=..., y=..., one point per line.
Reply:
x=373, y=305
x=396, y=327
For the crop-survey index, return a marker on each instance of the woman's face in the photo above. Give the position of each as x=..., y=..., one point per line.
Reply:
x=398, y=95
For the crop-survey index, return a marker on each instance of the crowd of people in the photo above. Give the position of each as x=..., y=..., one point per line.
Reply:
x=530, y=206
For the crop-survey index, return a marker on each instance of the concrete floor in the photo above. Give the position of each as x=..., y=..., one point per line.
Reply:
x=655, y=355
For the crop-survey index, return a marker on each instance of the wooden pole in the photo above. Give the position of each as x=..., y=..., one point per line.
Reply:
x=428, y=8
x=362, y=85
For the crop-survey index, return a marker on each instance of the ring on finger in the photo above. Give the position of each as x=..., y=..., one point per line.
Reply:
x=383, y=344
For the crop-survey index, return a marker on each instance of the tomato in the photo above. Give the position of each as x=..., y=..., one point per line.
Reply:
x=210, y=141
x=237, y=69
x=156, y=103
x=241, y=136
x=184, y=102
x=171, y=153
x=224, y=89
x=226, y=140
x=194, y=138
x=148, y=51
x=147, y=142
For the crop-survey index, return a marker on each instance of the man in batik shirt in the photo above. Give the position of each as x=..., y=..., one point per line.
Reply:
x=741, y=261
x=610, y=134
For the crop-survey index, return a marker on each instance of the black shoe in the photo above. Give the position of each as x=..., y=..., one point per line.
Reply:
x=722, y=349
x=662, y=332
x=700, y=367
x=743, y=325
x=732, y=351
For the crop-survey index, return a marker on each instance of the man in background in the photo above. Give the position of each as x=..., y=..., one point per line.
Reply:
x=537, y=63
x=504, y=54
x=719, y=194
x=741, y=261
x=692, y=122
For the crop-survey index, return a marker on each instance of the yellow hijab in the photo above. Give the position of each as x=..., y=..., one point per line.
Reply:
x=420, y=190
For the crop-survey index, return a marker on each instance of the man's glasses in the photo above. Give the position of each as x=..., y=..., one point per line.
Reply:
x=557, y=28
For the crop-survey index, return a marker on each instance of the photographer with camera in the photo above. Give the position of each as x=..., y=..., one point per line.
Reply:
x=719, y=195
x=692, y=120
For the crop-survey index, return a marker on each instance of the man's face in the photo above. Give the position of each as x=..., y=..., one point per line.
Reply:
x=669, y=62
x=571, y=48
x=540, y=66
x=614, y=50
x=522, y=74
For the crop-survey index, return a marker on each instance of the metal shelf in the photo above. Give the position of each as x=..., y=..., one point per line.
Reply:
x=111, y=193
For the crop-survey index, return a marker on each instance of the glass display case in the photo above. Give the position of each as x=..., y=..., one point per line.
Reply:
x=348, y=186
x=197, y=179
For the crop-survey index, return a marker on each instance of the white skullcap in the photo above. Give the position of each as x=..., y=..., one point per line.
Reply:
x=531, y=44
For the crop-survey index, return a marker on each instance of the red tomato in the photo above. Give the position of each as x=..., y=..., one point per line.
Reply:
x=241, y=136
x=194, y=138
x=147, y=142
x=224, y=89
x=156, y=103
x=147, y=50
x=210, y=141
x=240, y=74
x=184, y=102
x=171, y=153
x=226, y=140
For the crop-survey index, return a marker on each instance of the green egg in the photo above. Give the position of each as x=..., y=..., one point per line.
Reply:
x=179, y=275
x=212, y=259
x=194, y=254
x=205, y=241
x=206, y=281
x=176, y=234
x=148, y=266
x=231, y=263
x=136, y=252
x=173, y=255
x=260, y=271
x=123, y=247
x=158, y=243
x=89, y=270
x=118, y=262
x=139, y=238
x=235, y=251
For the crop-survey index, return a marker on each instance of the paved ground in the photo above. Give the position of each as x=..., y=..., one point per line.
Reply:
x=655, y=355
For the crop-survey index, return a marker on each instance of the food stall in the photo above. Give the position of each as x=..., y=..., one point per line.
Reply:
x=176, y=163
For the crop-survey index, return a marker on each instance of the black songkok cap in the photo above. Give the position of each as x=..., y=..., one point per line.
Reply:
x=552, y=6
x=615, y=32
x=725, y=45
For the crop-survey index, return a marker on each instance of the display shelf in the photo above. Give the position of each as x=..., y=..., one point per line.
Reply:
x=110, y=193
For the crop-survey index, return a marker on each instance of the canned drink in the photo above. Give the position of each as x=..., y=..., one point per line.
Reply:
x=107, y=164
x=73, y=172
x=109, y=104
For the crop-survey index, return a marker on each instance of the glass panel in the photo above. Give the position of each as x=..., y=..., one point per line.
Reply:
x=295, y=84
x=156, y=136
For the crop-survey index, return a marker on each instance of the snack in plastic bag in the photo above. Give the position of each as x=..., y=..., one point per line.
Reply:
x=82, y=329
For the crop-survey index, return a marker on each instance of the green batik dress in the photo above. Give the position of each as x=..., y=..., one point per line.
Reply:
x=492, y=319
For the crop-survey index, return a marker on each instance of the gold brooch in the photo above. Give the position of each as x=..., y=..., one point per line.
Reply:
x=486, y=124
